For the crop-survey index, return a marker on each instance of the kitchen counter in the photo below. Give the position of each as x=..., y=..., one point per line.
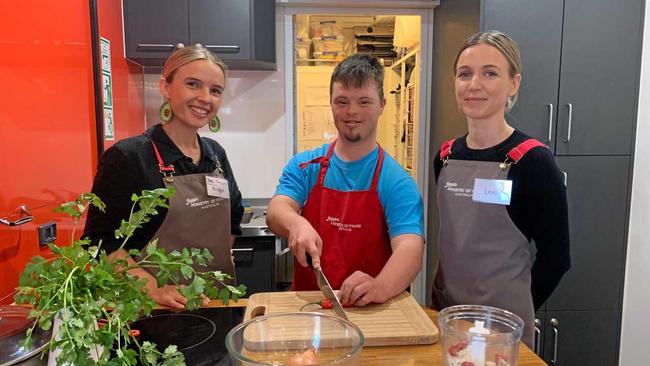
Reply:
x=426, y=355
x=254, y=223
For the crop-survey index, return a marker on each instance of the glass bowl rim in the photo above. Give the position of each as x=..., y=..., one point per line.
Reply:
x=347, y=323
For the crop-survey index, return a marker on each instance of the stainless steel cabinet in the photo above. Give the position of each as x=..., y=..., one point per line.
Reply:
x=241, y=32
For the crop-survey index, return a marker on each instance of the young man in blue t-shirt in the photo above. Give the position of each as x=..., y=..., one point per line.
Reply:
x=348, y=204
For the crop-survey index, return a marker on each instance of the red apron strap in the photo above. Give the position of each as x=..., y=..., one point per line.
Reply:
x=445, y=149
x=518, y=152
x=161, y=164
x=380, y=161
x=324, y=162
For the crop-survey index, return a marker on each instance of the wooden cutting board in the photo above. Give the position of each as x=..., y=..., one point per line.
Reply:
x=399, y=321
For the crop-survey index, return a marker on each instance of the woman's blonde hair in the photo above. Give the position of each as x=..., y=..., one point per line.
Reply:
x=187, y=54
x=508, y=48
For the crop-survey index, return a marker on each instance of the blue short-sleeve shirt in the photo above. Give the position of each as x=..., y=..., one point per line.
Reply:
x=397, y=190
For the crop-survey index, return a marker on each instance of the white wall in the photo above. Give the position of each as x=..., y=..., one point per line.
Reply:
x=253, y=124
x=636, y=300
x=253, y=129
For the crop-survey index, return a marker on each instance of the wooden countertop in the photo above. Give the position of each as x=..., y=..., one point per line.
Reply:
x=427, y=355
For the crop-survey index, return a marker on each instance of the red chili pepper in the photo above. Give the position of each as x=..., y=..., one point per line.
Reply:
x=134, y=333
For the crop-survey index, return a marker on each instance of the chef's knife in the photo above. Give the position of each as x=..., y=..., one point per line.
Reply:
x=326, y=289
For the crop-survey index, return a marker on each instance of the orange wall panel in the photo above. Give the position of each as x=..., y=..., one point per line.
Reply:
x=47, y=121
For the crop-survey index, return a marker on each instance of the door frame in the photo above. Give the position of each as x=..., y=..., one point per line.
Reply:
x=284, y=22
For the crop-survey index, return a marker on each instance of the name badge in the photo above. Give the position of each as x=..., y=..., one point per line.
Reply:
x=495, y=191
x=217, y=187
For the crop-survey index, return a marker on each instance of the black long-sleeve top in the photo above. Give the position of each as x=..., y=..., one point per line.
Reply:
x=130, y=166
x=538, y=207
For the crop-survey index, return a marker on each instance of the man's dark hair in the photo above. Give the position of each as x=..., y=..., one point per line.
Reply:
x=356, y=71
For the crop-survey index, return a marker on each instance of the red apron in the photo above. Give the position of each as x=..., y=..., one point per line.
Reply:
x=352, y=226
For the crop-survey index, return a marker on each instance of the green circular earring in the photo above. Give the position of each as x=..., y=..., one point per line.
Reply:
x=214, y=124
x=166, y=112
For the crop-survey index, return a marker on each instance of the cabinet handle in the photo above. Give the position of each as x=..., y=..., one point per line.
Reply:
x=223, y=49
x=538, y=336
x=158, y=47
x=556, y=334
x=242, y=249
x=550, y=122
x=566, y=178
x=26, y=217
x=568, y=130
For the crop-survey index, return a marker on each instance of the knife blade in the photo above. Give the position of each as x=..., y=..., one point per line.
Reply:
x=326, y=289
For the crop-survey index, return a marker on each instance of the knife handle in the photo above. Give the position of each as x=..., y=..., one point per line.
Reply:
x=308, y=257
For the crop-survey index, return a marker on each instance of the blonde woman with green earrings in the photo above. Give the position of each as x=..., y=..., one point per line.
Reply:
x=206, y=210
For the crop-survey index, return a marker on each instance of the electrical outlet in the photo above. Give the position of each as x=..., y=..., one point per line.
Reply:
x=46, y=233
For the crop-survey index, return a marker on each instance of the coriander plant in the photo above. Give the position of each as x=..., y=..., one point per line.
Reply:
x=81, y=286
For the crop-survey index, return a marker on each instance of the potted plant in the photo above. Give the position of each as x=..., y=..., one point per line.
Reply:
x=81, y=285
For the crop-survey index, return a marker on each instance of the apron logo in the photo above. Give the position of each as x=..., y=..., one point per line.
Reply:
x=195, y=202
x=334, y=221
x=458, y=191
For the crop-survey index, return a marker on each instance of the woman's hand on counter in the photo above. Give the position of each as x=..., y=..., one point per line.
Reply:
x=168, y=295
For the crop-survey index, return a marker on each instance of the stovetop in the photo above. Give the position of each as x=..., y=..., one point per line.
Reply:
x=199, y=334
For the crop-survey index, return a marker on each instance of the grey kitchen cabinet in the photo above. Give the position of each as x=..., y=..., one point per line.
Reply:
x=601, y=48
x=567, y=338
x=534, y=112
x=153, y=28
x=579, y=93
x=255, y=263
x=241, y=32
x=579, y=323
x=580, y=70
x=597, y=192
x=580, y=338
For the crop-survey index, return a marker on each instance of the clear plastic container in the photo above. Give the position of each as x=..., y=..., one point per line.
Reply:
x=325, y=28
x=329, y=55
x=300, y=338
x=479, y=335
x=303, y=48
x=328, y=44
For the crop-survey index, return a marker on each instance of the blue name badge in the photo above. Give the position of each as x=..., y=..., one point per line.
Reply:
x=495, y=191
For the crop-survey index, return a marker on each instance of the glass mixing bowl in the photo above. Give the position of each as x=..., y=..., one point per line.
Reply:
x=479, y=335
x=292, y=339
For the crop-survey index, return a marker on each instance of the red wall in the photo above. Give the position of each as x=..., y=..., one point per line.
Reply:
x=48, y=145
x=128, y=81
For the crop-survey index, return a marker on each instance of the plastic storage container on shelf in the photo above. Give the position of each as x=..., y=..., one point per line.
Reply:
x=303, y=48
x=328, y=44
x=325, y=28
x=328, y=57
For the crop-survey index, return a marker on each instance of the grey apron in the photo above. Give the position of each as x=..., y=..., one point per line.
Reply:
x=195, y=219
x=484, y=258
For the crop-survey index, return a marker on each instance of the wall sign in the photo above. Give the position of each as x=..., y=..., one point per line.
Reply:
x=107, y=89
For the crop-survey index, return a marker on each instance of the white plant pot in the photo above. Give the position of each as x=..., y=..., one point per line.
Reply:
x=51, y=360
